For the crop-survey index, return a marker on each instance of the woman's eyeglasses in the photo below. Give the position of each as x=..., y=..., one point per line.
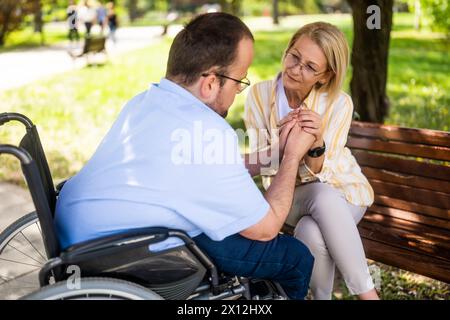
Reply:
x=291, y=60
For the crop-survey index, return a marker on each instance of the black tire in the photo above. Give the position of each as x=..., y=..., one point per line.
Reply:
x=22, y=254
x=94, y=289
x=15, y=227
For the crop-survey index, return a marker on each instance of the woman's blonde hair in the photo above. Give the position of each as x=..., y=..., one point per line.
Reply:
x=335, y=47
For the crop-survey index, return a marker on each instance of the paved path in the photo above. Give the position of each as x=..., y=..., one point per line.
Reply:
x=14, y=203
x=19, y=67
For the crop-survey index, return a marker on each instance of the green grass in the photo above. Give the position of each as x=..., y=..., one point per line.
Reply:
x=73, y=111
x=419, y=82
x=26, y=38
x=397, y=284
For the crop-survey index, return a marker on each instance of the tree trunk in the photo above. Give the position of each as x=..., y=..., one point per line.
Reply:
x=224, y=5
x=236, y=7
x=417, y=15
x=37, y=13
x=132, y=10
x=3, y=28
x=38, y=21
x=370, y=58
x=275, y=12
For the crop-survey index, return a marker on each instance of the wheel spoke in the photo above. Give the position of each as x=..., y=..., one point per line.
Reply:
x=39, y=227
x=45, y=259
x=41, y=262
x=21, y=262
x=19, y=278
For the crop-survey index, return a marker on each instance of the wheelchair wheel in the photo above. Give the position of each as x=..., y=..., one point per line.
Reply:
x=22, y=254
x=94, y=289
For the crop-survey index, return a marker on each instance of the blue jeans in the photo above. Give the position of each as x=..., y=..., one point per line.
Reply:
x=284, y=259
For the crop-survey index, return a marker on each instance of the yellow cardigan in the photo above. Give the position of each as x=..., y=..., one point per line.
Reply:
x=340, y=168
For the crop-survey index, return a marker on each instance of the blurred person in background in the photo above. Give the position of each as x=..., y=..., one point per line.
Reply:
x=101, y=16
x=72, y=22
x=113, y=21
x=88, y=15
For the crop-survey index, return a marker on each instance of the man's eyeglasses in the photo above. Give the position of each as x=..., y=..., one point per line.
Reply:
x=292, y=60
x=243, y=84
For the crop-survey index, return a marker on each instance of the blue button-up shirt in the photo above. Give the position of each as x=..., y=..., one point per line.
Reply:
x=168, y=160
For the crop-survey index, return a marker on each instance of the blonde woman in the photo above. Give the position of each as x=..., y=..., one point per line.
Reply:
x=332, y=194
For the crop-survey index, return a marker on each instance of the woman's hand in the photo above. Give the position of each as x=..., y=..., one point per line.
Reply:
x=311, y=122
x=290, y=116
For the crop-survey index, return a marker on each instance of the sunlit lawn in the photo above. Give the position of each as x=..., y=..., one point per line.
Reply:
x=73, y=111
x=26, y=38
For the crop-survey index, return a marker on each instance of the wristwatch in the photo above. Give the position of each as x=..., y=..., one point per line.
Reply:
x=317, y=152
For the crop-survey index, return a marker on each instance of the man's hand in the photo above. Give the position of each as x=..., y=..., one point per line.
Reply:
x=298, y=141
x=284, y=133
x=285, y=125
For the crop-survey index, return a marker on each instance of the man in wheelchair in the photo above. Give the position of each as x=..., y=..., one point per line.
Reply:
x=170, y=159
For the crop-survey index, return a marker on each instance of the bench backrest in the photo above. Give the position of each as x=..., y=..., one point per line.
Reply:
x=94, y=44
x=410, y=174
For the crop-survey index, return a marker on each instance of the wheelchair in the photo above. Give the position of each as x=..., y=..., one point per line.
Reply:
x=119, y=266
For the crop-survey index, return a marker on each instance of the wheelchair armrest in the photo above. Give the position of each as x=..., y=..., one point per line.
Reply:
x=93, y=249
x=115, y=243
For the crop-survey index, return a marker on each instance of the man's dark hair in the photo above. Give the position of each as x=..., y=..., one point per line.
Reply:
x=209, y=40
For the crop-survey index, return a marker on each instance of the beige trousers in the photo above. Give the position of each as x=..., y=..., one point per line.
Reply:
x=326, y=223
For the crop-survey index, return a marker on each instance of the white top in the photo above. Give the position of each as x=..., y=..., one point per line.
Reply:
x=283, y=104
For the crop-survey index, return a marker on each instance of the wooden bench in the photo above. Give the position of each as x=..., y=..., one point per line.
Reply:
x=408, y=226
x=92, y=45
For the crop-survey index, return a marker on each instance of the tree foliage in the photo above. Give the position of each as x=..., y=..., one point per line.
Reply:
x=439, y=11
x=12, y=13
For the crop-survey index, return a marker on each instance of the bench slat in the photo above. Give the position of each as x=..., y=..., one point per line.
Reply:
x=422, y=169
x=411, y=216
x=422, y=196
x=438, y=235
x=408, y=260
x=404, y=239
x=408, y=226
x=409, y=135
x=415, y=254
x=417, y=150
x=412, y=207
x=408, y=180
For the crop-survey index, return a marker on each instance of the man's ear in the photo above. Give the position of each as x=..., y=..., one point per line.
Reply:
x=209, y=86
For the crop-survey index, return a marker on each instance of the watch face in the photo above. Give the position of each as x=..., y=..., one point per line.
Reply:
x=317, y=152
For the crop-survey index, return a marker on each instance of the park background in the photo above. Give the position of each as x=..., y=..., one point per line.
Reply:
x=74, y=108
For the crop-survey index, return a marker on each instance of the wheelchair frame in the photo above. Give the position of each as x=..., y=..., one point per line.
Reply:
x=40, y=184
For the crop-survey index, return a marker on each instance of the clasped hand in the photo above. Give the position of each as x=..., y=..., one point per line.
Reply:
x=300, y=127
